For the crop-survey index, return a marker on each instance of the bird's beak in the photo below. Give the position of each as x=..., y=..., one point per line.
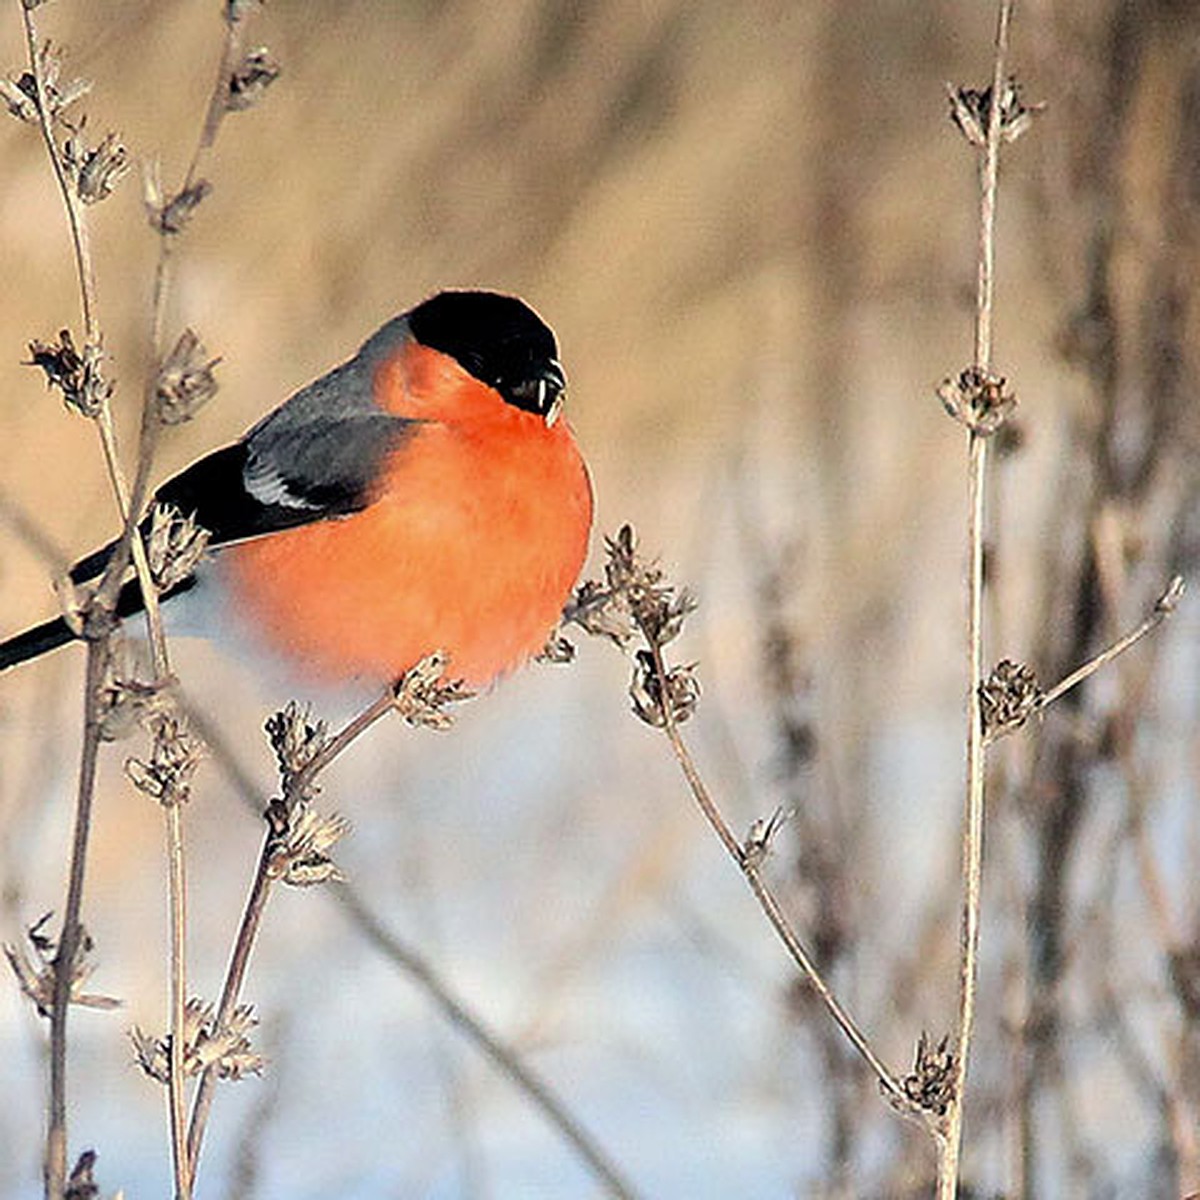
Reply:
x=552, y=389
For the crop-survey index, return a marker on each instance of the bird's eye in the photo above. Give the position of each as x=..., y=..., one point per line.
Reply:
x=540, y=392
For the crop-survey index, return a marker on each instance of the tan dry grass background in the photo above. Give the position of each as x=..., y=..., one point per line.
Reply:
x=752, y=229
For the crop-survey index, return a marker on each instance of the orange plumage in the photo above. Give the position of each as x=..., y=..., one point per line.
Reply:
x=476, y=536
x=422, y=496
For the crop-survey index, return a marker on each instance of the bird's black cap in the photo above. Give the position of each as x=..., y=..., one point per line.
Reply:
x=498, y=339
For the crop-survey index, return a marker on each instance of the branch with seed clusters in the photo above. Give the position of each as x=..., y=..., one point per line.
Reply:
x=978, y=398
x=635, y=607
x=422, y=973
x=86, y=173
x=297, y=844
x=1011, y=694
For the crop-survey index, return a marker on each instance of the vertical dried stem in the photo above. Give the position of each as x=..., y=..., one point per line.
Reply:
x=235, y=976
x=295, y=787
x=950, y=1145
x=185, y=1139
x=55, y=1166
x=128, y=506
x=408, y=960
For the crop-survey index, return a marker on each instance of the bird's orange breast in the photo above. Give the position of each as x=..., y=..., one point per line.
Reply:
x=475, y=538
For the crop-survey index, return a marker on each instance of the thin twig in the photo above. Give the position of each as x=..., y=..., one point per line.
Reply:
x=749, y=867
x=950, y=1142
x=414, y=966
x=352, y=731
x=1163, y=608
x=214, y=114
x=75, y=219
x=55, y=1166
x=295, y=787
x=235, y=976
x=104, y=601
x=501, y=1055
x=186, y=1136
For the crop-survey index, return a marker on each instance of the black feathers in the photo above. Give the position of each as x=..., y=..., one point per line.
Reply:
x=498, y=339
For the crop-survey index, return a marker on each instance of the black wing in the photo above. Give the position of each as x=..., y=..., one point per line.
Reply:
x=316, y=457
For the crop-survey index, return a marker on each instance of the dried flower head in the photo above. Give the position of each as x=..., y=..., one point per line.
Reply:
x=94, y=170
x=78, y=376
x=658, y=608
x=635, y=600
x=124, y=700
x=300, y=852
x=175, y=753
x=170, y=214
x=653, y=695
x=20, y=95
x=297, y=738
x=762, y=834
x=632, y=600
x=977, y=399
x=971, y=111
x=185, y=380
x=930, y=1084
x=206, y=1044
x=174, y=546
x=602, y=613
x=1008, y=697
x=257, y=71
x=423, y=694
x=558, y=650
x=35, y=968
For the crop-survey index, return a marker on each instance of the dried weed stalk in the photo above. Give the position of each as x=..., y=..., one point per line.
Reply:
x=637, y=609
x=298, y=840
x=86, y=171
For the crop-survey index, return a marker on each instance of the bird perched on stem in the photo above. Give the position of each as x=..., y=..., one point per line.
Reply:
x=424, y=495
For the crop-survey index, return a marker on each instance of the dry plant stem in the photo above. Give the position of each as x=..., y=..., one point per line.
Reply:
x=79, y=233
x=950, y=1142
x=605, y=1171
x=217, y=102
x=353, y=730
x=55, y=1167
x=185, y=1141
x=765, y=897
x=235, y=976
x=256, y=903
x=213, y=116
x=177, y=899
x=1105, y=656
x=56, y=1137
x=1164, y=607
x=408, y=960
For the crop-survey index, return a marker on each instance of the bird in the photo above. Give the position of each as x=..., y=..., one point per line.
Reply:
x=425, y=495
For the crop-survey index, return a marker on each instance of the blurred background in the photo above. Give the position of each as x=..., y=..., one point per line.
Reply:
x=753, y=229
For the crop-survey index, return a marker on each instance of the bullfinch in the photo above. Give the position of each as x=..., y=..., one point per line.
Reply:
x=424, y=495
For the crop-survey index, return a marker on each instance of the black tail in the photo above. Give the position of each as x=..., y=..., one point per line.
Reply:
x=41, y=639
x=32, y=642
x=51, y=634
